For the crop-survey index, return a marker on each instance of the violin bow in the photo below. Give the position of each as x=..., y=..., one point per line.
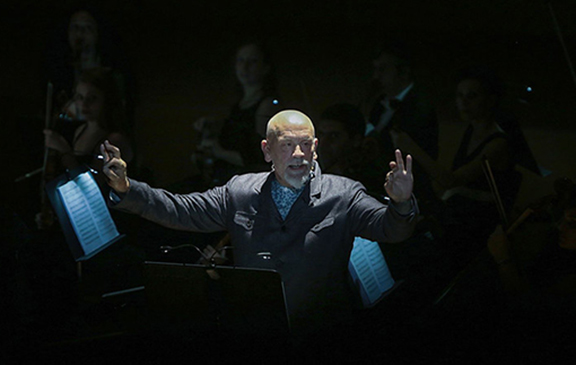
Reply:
x=494, y=191
x=47, y=118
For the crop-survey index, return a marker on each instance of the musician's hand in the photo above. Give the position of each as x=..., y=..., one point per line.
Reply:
x=114, y=168
x=200, y=123
x=56, y=142
x=399, y=181
x=44, y=219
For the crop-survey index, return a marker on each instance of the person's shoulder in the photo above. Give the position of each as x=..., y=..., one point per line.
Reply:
x=250, y=181
x=342, y=184
x=497, y=143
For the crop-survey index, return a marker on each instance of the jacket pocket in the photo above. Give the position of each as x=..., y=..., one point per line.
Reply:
x=245, y=220
x=327, y=222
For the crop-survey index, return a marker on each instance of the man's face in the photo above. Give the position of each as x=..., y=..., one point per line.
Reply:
x=292, y=152
x=473, y=102
x=250, y=66
x=90, y=100
x=333, y=143
x=82, y=32
x=388, y=75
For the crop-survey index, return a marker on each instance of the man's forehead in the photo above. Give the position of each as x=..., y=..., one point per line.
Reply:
x=289, y=122
x=300, y=134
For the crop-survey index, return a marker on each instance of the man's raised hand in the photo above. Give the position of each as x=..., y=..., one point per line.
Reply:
x=399, y=181
x=114, y=168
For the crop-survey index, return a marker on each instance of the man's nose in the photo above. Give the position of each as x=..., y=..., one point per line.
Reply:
x=298, y=151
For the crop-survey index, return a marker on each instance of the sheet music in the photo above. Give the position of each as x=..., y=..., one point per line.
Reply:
x=370, y=271
x=88, y=213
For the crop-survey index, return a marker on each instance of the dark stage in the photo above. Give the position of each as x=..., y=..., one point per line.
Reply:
x=180, y=56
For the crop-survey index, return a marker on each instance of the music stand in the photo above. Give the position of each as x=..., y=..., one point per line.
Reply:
x=245, y=301
x=82, y=213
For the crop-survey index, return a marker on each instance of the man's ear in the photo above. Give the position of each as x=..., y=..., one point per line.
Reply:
x=314, y=154
x=265, y=145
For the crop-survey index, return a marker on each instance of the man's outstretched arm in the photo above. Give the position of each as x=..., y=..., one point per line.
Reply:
x=199, y=212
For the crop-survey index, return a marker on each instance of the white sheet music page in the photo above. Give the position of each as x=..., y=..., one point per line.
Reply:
x=88, y=213
x=368, y=268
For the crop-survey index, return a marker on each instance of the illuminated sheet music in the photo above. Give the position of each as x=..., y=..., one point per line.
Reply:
x=88, y=213
x=369, y=271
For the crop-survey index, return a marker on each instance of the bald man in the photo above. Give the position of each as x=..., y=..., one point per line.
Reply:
x=305, y=220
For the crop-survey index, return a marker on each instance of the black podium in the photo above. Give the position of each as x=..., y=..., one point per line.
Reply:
x=222, y=299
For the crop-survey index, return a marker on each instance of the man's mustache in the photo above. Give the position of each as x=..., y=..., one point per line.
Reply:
x=299, y=161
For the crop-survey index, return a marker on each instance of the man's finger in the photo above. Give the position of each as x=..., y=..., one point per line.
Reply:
x=399, y=160
x=110, y=173
x=112, y=150
x=408, y=164
x=104, y=153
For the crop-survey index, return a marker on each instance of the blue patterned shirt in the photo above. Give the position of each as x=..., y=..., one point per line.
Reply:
x=284, y=197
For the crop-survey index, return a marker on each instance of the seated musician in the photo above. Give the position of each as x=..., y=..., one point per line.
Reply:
x=97, y=98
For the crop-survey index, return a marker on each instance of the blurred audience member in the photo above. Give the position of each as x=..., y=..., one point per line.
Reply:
x=549, y=269
x=244, y=128
x=98, y=99
x=87, y=42
x=402, y=105
x=100, y=103
x=343, y=149
x=539, y=278
x=470, y=213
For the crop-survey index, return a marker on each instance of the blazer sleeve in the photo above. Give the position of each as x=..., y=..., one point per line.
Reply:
x=375, y=221
x=198, y=212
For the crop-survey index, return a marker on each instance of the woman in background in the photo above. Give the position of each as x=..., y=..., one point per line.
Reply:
x=469, y=214
x=230, y=146
x=98, y=99
x=87, y=42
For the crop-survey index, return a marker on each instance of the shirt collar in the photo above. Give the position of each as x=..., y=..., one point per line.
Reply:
x=315, y=182
x=402, y=95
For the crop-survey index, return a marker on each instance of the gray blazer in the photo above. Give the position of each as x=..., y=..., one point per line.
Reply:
x=310, y=249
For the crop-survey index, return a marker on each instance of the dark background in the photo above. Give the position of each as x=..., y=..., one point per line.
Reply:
x=181, y=55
